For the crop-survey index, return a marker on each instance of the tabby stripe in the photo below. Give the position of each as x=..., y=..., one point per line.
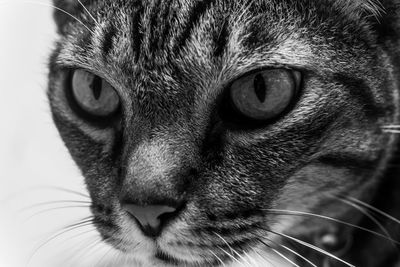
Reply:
x=107, y=46
x=221, y=40
x=360, y=91
x=352, y=161
x=158, y=31
x=168, y=18
x=199, y=9
x=154, y=11
x=137, y=35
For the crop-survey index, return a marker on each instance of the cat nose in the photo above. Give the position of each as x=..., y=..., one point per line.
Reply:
x=151, y=218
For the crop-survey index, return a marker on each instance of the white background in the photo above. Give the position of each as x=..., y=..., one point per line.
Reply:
x=32, y=155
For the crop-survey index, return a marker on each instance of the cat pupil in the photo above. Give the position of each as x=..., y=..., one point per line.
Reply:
x=259, y=88
x=96, y=87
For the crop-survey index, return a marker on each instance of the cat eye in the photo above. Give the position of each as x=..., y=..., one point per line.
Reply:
x=94, y=95
x=264, y=95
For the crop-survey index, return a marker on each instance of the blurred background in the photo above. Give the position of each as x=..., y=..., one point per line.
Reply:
x=34, y=164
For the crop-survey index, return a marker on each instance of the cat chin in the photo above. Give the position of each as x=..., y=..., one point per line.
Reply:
x=255, y=258
x=169, y=257
x=146, y=258
x=150, y=253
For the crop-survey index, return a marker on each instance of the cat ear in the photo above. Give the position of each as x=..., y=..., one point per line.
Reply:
x=64, y=10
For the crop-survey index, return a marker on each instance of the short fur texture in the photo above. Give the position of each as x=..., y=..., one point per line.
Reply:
x=170, y=62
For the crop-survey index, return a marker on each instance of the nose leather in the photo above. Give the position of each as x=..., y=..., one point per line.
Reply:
x=149, y=217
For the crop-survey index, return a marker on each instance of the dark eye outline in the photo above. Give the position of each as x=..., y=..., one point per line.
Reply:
x=233, y=119
x=98, y=121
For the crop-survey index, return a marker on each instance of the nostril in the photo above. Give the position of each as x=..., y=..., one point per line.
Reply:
x=151, y=218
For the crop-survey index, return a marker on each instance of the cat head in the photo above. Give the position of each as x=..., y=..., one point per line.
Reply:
x=205, y=126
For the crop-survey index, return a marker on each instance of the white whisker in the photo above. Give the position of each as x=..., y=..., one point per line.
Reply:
x=371, y=217
x=232, y=250
x=251, y=260
x=393, y=126
x=78, y=235
x=290, y=250
x=84, y=249
x=54, y=209
x=230, y=255
x=266, y=259
x=299, y=255
x=87, y=11
x=284, y=257
x=49, y=203
x=313, y=247
x=300, y=213
x=85, y=222
x=104, y=256
x=52, y=6
x=392, y=131
x=374, y=209
x=218, y=258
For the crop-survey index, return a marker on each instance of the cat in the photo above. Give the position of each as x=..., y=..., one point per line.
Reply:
x=218, y=132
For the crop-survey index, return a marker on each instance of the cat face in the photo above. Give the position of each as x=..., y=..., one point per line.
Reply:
x=196, y=124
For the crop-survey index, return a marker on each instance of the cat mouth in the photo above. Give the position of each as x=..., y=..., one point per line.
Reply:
x=214, y=250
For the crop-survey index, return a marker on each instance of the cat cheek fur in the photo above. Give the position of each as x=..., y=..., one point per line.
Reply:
x=170, y=61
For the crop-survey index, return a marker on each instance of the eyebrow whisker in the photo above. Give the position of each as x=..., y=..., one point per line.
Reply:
x=87, y=11
x=52, y=6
